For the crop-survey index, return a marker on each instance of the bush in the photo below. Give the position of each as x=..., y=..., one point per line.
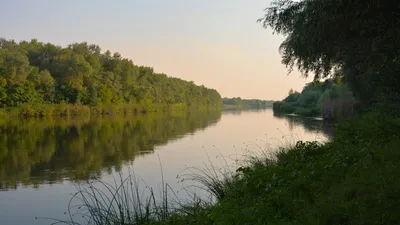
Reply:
x=339, y=108
x=283, y=107
x=3, y=113
x=309, y=112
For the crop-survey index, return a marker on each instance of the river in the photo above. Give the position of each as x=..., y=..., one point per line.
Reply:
x=41, y=161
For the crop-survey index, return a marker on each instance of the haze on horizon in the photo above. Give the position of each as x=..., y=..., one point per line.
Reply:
x=215, y=43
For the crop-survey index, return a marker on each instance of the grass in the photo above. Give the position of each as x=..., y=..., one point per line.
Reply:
x=63, y=109
x=354, y=179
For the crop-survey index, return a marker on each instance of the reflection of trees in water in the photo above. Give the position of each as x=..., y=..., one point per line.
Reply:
x=309, y=124
x=34, y=152
x=234, y=111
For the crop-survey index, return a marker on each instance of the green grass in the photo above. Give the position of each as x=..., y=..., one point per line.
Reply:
x=354, y=179
x=55, y=110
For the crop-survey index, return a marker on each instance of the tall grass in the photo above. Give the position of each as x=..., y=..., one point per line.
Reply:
x=218, y=181
x=210, y=178
x=124, y=202
x=63, y=109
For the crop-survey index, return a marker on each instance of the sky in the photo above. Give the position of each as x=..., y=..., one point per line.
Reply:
x=215, y=43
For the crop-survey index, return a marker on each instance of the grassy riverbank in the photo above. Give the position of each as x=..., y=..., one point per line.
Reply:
x=353, y=179
x=56, y=110
x=44, y=110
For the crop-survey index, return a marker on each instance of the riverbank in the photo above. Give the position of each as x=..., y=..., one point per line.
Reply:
x=282, y=107
x=241, y=107
x=57, y=110
x=353, y=179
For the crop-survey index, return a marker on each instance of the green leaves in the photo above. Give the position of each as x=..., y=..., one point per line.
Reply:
x=81, y=74
x=352, y=35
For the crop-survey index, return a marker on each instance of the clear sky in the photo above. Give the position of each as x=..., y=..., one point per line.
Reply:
x=217, y=43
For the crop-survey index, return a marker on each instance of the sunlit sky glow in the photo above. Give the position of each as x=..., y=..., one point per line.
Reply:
x=215, y=43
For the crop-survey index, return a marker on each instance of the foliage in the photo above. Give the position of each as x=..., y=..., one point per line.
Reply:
x=39, y=73
x=330, y=99
x=352, y=37
x=66, y=110
x=246, y=103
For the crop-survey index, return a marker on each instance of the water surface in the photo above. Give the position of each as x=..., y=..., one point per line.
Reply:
x=41, y=160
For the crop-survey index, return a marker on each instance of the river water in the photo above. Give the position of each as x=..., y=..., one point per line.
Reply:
x=42, y=161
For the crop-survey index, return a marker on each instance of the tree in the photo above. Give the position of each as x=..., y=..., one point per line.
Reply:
x=45, y=85
x=36, y=72
x=354, y=37
x=14, y=66
x=3, y=91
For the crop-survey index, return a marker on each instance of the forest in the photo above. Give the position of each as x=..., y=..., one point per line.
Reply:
x=33, y=74
x=240, y=103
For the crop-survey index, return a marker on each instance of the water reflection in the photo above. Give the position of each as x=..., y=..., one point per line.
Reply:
x=309, y=124
x=238, y=112
x=34, y=152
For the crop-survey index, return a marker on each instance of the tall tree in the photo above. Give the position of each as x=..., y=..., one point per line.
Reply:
x=355, y=36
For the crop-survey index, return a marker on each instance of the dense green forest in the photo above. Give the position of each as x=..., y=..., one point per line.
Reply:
x=39, y=151
x=240, y=103
x=36, y=73
x=329, y=98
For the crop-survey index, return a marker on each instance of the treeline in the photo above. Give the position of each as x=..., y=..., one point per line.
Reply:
x=79, y=147
x=42, y=73
x=330, y=99
x=246, y=103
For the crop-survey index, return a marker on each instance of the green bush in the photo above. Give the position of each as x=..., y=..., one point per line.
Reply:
x=309, y=112
x=283, y=107
x=3, y=113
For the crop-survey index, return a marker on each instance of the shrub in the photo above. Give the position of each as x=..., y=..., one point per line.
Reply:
x=309, y=112
x=339, y=108
x=3, y=113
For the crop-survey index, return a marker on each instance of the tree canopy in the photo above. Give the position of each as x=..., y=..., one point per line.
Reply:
x=36, y=72
x=359, y=38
